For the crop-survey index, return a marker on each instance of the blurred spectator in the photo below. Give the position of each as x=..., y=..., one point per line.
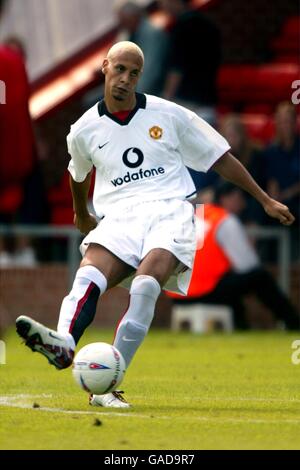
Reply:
x=227, y=268
x=153, y=41
x=250, y=155
x=283, y=169
x=191, y=78
x=283, y=161
x=18, y=199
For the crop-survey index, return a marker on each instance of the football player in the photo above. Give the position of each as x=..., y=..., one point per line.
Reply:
x=140, y=146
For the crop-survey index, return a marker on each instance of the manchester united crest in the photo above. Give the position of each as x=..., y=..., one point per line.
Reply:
x=156, y=132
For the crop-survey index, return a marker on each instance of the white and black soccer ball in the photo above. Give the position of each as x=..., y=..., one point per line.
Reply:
x=98, y=368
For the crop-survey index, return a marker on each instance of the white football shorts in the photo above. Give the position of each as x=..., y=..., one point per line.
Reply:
x=132, y=232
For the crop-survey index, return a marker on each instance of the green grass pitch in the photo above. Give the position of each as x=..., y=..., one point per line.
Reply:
x=218, y=391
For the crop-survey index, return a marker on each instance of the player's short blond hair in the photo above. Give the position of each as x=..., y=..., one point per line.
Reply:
x=126, y=46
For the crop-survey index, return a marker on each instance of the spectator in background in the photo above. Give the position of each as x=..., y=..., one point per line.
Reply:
x=17, y=156
x=227, y=267
x=283, y=162
x=191, y=78
x=283, y=166
x=250, y=155
x=152, y=40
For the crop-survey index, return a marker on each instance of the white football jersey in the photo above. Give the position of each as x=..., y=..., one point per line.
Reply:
x=143, y=158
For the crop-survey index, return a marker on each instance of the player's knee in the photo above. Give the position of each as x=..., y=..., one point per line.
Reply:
x=160, y=264
x=145, y=285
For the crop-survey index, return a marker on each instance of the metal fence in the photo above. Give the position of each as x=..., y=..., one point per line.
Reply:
x=73, y=237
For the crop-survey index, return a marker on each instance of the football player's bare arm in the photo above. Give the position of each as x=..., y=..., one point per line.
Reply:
x=232, y=170
x=83, y=220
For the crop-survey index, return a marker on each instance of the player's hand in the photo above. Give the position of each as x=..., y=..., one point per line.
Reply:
x=85, y=223
x=279, y=211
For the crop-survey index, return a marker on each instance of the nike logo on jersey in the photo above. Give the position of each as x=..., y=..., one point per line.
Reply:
x=53, y=336
x=101, y=146
x=127, y=339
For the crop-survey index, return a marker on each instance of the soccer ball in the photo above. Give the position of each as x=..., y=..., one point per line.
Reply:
x=98, y=368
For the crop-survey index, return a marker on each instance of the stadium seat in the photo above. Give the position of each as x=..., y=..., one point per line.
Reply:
x=60, y=202
x=286, y=46
x=11, y=199
x=258, y=108
x=201, y=318
x=291, y=27
x=259, y=127
x=248, y=84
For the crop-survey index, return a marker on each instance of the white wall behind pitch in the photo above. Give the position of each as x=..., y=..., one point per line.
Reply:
x=52, y=30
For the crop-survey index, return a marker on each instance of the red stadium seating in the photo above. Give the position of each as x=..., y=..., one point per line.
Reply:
x=291, y=28
x=287, y=45
x=248, y=84
x=60, y=201
x=258, y=108
x=259, y=127
x=242, y=86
